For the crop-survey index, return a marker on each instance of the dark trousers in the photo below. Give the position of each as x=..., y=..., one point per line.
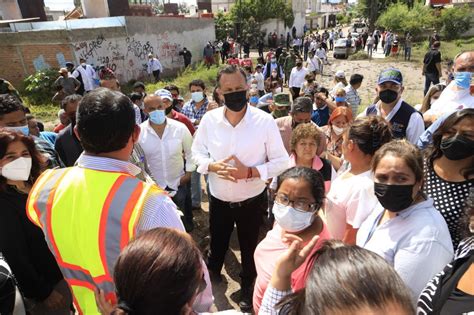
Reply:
x=407, y=53
x=430, y=78
x=182, y=199
x=331, y=44
x=248, y=216
x=156, y=74
x=388, y=49
x=296, y=92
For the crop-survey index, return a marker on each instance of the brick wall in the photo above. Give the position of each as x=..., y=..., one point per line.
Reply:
x=19, y=61
x=123, y=49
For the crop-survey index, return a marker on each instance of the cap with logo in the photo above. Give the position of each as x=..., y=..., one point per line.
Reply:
x=390, y=75
x=281, y=99
x=164, y=94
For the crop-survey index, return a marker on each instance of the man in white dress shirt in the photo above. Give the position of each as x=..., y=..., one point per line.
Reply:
x=154, y=67
x=164, y=141
x=297, y=78
x=240, y=147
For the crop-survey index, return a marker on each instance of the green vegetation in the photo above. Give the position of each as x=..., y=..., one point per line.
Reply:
x=413, y=16
x=456, y=21
x=183, y=79
x=47, y=112
x=246, y=17
x=38, y=87
x=400, y=18
x=449, y=49
x=360, y=55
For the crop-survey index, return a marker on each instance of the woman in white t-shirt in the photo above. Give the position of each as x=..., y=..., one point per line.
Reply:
x=351, y=196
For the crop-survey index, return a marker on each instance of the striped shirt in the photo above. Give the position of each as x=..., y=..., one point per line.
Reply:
x=158, y=210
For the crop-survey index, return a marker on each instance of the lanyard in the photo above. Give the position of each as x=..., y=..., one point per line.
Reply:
x=373, y=228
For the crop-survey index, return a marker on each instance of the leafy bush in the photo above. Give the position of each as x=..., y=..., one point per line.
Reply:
x=400, y=18
x=38, y=87
x=189, y=74
x=360, y=55
x=251, y=13
x=456, y=21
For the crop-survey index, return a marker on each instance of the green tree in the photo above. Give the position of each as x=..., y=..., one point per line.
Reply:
x=373, y=9
x=400, y=18
x=456, y=21
x=224, y=25
x=248, y=15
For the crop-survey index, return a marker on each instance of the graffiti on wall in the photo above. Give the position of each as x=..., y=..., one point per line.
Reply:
x=61, y=60
x=128, y=56
x=89, y=49
x=40, y=64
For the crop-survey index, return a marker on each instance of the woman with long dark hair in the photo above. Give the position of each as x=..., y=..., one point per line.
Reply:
x=449, y=168
x=22, y=243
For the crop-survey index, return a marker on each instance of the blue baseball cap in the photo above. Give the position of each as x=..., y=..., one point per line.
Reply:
x=390, y=75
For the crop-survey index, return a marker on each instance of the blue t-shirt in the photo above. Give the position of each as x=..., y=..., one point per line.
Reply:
x=321, y=116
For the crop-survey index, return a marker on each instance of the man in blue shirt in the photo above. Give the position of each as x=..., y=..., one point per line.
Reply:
x=321, y=114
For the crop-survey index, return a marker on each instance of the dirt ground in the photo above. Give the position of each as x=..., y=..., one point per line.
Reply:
x=226, y=293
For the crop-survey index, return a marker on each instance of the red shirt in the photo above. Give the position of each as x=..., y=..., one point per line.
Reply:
x=58, y=128
x=233, y=61
x=183, y=119
x=246, y=63
x=270, y=55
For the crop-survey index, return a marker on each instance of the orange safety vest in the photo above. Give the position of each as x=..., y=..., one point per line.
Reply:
x=88, y=217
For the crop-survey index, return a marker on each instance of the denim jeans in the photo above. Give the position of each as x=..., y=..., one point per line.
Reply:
x=182, y=199
x=407, y=53
x=196, y=192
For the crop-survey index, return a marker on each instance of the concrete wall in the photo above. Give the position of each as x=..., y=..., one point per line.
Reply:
x=123, y=49
x=278, y=26
x=9, y=10
x=95, y=8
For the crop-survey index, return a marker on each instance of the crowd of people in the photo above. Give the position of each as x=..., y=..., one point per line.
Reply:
x=368, y=210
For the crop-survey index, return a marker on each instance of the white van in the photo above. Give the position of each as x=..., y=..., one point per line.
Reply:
x=360, y=27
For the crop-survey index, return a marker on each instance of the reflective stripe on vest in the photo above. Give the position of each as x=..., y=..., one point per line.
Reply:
x=103, y=209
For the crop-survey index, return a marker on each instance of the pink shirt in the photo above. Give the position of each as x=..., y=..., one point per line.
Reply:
x=266, y=256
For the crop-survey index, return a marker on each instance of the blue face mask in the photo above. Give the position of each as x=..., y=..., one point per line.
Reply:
x=463, y=79
x=22, y=129
x=157, y=117
x=340, y=99
x=254, y=99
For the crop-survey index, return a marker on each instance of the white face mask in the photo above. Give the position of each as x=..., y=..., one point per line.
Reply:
x=18, y=169
x=197, y=96
x=253, y=86
x=290, y=219
x=338, y=131
x=279, y=90
x=432, y=100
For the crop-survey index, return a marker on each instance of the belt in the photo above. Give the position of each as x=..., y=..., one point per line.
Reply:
x=242, y=203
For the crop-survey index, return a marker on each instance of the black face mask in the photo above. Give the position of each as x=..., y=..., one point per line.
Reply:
x=388, y=96
x=168, y=110
x=457, y=147
x=394, y=197
x=235, y=101
x=299, y=64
